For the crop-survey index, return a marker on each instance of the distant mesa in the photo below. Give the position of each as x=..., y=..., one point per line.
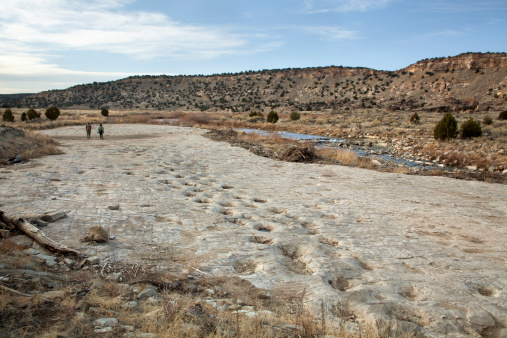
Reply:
x=430, y=84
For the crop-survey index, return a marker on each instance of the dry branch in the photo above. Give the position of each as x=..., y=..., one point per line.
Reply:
x=33, y=273
x=44, y=240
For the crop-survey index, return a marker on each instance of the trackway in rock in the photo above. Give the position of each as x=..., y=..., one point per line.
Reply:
x=429, y=252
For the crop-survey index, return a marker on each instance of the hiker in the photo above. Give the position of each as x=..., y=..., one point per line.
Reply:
x=88, y=130
x=101, y=131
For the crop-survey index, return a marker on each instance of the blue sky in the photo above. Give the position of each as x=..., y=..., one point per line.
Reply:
x=55, y=44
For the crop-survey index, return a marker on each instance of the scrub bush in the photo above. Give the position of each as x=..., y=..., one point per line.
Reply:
x=272, y=117
x=7, y=116
x=295, y=115
x=471, y=128
x=52, y=113
x=446, y=128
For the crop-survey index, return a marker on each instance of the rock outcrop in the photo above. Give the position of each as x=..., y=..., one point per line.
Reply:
x=424, y=85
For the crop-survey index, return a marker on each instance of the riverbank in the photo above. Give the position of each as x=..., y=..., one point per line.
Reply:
x=385, y=160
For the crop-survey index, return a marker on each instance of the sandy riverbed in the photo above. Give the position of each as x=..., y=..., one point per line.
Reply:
x=429, y=252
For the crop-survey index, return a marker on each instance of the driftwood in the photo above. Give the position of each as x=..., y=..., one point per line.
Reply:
x=33, y=274
x=39, y=236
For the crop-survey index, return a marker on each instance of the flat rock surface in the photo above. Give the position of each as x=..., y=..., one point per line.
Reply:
x=429, y=252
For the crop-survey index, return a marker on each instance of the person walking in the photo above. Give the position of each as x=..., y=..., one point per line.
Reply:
x=101, y=131
x=88, y=130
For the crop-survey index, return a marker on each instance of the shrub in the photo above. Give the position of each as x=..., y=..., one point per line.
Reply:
x=104, y=112
x=32, y=114
x=7, y=116
x=253, y=114
x=471, y=128
x=503, y=115
x=415, y=118
x=52, y=113
x=446, y=128
x=272, y=117
x=487, y=120
x=23, y=116
x=295, y=115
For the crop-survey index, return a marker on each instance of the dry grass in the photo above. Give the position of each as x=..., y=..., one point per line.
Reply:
x=27, y=143
x=486, y=152
x=345, y=157
x=172, y=313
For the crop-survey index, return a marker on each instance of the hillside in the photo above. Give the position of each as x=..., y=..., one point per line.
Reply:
x=467, y=81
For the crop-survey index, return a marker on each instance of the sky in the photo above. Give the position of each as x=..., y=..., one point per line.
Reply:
x=56, y=44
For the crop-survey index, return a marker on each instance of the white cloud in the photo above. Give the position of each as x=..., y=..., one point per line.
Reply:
x=331, y=32
x=21, y=65
x=57, y=25
x=441, y=34
x=34, y=33
x=464, y=6
x=323, y=6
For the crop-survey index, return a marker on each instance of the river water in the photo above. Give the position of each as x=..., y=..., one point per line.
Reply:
x=375, y=151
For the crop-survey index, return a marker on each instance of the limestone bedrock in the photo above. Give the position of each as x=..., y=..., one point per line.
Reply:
x=429, y=252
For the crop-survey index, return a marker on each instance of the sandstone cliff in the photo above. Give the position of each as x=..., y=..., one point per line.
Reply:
x=467, y=81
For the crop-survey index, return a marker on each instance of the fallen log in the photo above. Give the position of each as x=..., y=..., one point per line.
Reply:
x=39, y=236
x=33, y=274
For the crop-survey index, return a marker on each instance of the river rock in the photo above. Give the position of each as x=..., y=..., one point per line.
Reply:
x=53, y=217
x=53, y=295
x=106, y=321
x=98, y=234
x=146, y=293
x=21, y=240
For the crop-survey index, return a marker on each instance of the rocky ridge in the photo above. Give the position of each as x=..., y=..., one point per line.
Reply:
x=471, y=81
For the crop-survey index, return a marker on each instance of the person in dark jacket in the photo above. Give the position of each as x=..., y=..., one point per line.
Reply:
x=101, y=131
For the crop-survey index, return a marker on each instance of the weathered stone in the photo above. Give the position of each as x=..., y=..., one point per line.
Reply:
x=480, y=319
x=17, y=159
x=93, y=260
x=69, y=262
x=53, y=217
x=130, y=305
x=98, y=234
x=53, y=295
x=21, y=240
x=40, y=223
x=47, y=259
x=146, y=293
x=32, y=251
x=106, y=321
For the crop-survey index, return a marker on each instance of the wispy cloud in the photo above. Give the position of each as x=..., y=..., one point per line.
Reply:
x=34, y=33
x=330, y=32
x=324, y=6
x=441, y=34
x=464, y=6
x=40, y=25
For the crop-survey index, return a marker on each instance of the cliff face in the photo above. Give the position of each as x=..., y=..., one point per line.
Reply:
x=461, y=62
x=428, y=84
